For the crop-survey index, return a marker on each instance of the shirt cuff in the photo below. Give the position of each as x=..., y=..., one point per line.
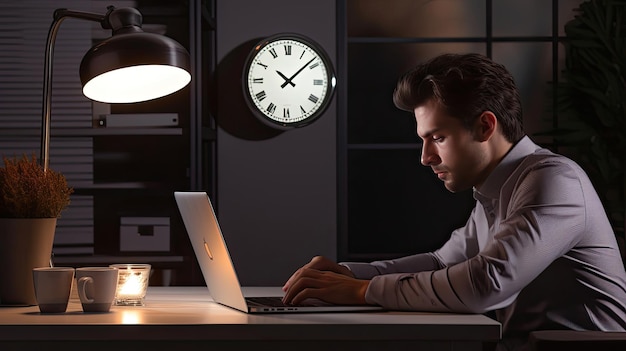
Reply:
x=361, y=270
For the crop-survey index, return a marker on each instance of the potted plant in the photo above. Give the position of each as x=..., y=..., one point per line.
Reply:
x=591, y=101
x=31, y=200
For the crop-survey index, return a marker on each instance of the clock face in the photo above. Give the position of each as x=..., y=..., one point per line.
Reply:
x=288, y=81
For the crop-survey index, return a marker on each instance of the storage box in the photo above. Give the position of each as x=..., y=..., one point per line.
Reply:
x=145, y=234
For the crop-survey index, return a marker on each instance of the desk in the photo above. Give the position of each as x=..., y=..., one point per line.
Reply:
x=185, y=318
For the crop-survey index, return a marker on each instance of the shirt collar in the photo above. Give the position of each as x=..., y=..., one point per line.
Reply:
x=490, y=189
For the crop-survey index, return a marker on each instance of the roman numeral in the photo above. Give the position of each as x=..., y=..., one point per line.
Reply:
x=302, y=109
x=314, y=65
x=273, y=52
x=261, y=95
x=257, y=80
x=286, y=112
x=262, y=65
x=302, y=54
x=271, y=108
x=287, y=49
x=318, y=82
x=313, y=98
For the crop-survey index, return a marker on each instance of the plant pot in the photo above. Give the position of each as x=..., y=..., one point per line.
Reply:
x=25, y=243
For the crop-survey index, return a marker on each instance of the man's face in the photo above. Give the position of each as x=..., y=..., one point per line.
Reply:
x=450, y=149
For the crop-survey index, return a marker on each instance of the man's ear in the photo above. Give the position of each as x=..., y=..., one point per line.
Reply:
x=485, y=126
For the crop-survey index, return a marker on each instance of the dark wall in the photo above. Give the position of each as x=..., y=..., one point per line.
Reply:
x=276, y=193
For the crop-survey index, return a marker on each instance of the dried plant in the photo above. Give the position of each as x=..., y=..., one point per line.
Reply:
x=27, y=191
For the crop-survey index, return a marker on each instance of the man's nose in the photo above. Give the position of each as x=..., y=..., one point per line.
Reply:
x=429, y=157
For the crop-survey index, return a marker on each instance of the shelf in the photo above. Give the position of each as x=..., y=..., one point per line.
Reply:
x=124, y=189
x=86, y=132
x=86, y=186
x=105, y=260
x=383, y=146
x=421, y=40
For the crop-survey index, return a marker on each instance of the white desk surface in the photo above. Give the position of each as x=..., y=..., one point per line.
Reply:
x=188, y=313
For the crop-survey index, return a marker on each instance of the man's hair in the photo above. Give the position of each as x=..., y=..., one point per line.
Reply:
x=465, y=86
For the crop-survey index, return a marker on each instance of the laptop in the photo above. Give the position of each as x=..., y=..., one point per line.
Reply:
x=217, y=267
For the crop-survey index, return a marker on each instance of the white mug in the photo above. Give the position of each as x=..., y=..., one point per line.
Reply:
x=52, y=288
x=96, y=287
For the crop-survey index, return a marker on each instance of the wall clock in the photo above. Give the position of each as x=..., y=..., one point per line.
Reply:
x=288, y=80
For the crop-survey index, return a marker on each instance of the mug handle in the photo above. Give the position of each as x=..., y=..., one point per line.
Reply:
x=82, y=283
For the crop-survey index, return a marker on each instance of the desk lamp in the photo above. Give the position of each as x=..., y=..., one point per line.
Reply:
x=131, y=66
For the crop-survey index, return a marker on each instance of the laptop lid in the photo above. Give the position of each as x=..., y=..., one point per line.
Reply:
x=210, y=249
x=215, y=261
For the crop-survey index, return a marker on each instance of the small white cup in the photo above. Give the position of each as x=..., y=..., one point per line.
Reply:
x=96, y=287
x=52, y=288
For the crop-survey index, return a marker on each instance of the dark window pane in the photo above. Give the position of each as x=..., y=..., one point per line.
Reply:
x=395, y=205
x=374, y=69
x=522, y=18
x=531, y=67
x=416, y=18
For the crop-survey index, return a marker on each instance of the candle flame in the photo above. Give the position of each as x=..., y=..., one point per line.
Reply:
x=132, y=284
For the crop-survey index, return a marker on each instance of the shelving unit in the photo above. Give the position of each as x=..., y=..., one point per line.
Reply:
x=136, y=170
x=123, y=208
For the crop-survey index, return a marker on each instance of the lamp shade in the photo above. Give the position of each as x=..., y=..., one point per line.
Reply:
x=131, y=66
x=134, y=67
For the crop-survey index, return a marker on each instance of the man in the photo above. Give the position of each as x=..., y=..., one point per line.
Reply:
x=537, y=249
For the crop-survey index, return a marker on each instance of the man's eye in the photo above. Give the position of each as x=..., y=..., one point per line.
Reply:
x=438, y=139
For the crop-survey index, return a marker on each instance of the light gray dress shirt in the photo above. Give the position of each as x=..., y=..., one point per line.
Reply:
x=538, y=249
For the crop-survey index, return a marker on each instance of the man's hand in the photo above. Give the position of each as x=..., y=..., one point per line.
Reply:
x=325, y=280
x=320, y=263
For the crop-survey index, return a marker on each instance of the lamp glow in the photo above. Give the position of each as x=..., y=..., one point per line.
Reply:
x=136, y=83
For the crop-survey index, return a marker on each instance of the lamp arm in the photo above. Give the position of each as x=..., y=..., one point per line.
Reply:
x=59, y=15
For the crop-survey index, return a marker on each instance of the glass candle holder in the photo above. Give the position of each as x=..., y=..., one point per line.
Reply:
x=132, y=284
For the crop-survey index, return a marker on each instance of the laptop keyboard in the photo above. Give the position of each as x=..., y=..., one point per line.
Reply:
x=271, y=301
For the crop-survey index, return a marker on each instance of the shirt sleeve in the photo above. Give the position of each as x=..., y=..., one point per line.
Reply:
x=462, y=244
x=543, y=219
x=414, y=263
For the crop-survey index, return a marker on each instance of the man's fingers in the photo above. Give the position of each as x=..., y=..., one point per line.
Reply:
x=291, y=279
x=304, y=294
x=303, y=271
x=317, y=263
x=305, y=279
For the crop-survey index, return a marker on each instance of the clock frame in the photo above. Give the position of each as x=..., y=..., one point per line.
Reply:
x=288, y=81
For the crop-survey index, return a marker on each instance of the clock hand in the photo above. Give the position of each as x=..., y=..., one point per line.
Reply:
x=287, y=80
x=295, y=74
